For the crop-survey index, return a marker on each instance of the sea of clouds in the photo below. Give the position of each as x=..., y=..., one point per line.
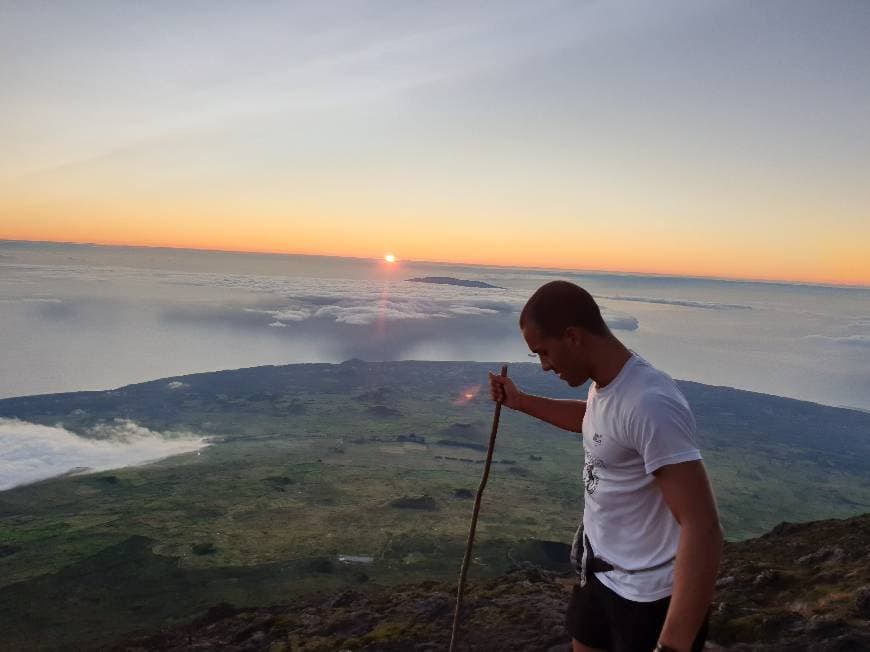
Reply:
x=31, y=452
x=78, y=318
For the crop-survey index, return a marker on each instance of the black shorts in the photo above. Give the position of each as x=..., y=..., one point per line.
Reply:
x=598, y=617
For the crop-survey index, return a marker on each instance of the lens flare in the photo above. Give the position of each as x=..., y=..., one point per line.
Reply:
x=467, y=395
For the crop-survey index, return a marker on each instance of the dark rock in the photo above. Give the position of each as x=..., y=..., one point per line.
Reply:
x=462, y=444
x=296, y=408
x=256, y=637
x=435, y=606
x=352, y=623
x=824, y=626
x=725, y=581
x=851, y=642
x=826, y=554
x=424, y=502
x=766, y=577
x=279, y=482
x=530, y=572
x=378, y=395
x=204, y=548
x=343, y=599
x=463, y=493
x=862, y=602
x=322, y=565
x=463, y=431
x=383, y=412
x=783, y=529
x=417, y=439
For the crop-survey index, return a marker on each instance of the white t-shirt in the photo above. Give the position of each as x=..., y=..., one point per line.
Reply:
x=637, y=423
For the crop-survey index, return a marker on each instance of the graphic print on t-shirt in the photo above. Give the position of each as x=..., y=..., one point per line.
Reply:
x=590, y=477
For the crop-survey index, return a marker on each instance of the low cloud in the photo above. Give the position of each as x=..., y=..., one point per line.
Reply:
x=289, y=314
x=29, y=300
x=327, y=318
x=709, y=305
x=855, y=341
x=472, y=310
x=361, y=303
x=620, y=322
x=371, y=320
x=30, y=452
x=380, y=311
x=355, y=302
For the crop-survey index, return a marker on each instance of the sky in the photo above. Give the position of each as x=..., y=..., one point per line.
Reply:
x=724, y=139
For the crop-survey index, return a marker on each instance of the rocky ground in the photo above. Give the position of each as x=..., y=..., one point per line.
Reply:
x=799, y=587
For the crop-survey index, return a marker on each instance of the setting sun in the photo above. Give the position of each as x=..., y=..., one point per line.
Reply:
x=390, y=258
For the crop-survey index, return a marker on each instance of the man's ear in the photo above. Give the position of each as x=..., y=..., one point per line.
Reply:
x=575, y=335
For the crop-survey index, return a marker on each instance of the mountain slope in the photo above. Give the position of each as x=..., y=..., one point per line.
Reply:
x=310, y=464
x=799, y=587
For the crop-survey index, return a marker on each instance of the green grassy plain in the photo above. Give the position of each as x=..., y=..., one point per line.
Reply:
x=304, y=464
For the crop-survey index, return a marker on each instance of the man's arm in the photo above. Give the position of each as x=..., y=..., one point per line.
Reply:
x=563, y=413
x=687, y=492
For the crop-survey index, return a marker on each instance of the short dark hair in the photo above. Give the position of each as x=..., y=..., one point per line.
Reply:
x=559, y=304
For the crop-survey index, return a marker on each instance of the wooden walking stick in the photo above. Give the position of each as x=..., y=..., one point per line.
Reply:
x=464, y=571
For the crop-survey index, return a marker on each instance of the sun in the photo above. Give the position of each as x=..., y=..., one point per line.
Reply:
x=390, y=258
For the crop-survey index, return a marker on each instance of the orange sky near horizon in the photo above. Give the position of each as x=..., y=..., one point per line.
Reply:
x=603, y=248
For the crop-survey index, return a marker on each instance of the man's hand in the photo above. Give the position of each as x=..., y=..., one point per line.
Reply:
x=562, y=412
x=503, y=389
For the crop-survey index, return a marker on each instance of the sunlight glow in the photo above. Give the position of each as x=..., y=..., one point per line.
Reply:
x=467, y=395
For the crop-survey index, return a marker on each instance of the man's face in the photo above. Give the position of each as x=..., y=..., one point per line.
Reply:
x=561, y=355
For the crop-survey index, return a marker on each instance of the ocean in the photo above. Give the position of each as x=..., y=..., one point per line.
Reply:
x=85, y=317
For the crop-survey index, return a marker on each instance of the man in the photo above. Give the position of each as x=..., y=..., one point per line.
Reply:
x=651, y=538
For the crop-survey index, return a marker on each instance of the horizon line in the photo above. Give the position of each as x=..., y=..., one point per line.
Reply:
x=725, y=279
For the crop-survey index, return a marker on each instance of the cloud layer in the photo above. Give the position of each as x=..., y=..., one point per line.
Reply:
x=359, y=302
x=116, y=316
x=856, y=341
x=709, y=305
x=362, y=303
x=31, y=452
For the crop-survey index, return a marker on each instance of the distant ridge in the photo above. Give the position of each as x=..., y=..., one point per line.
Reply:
x=449, y=280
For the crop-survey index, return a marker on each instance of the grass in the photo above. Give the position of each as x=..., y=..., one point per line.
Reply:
x=260, y=516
